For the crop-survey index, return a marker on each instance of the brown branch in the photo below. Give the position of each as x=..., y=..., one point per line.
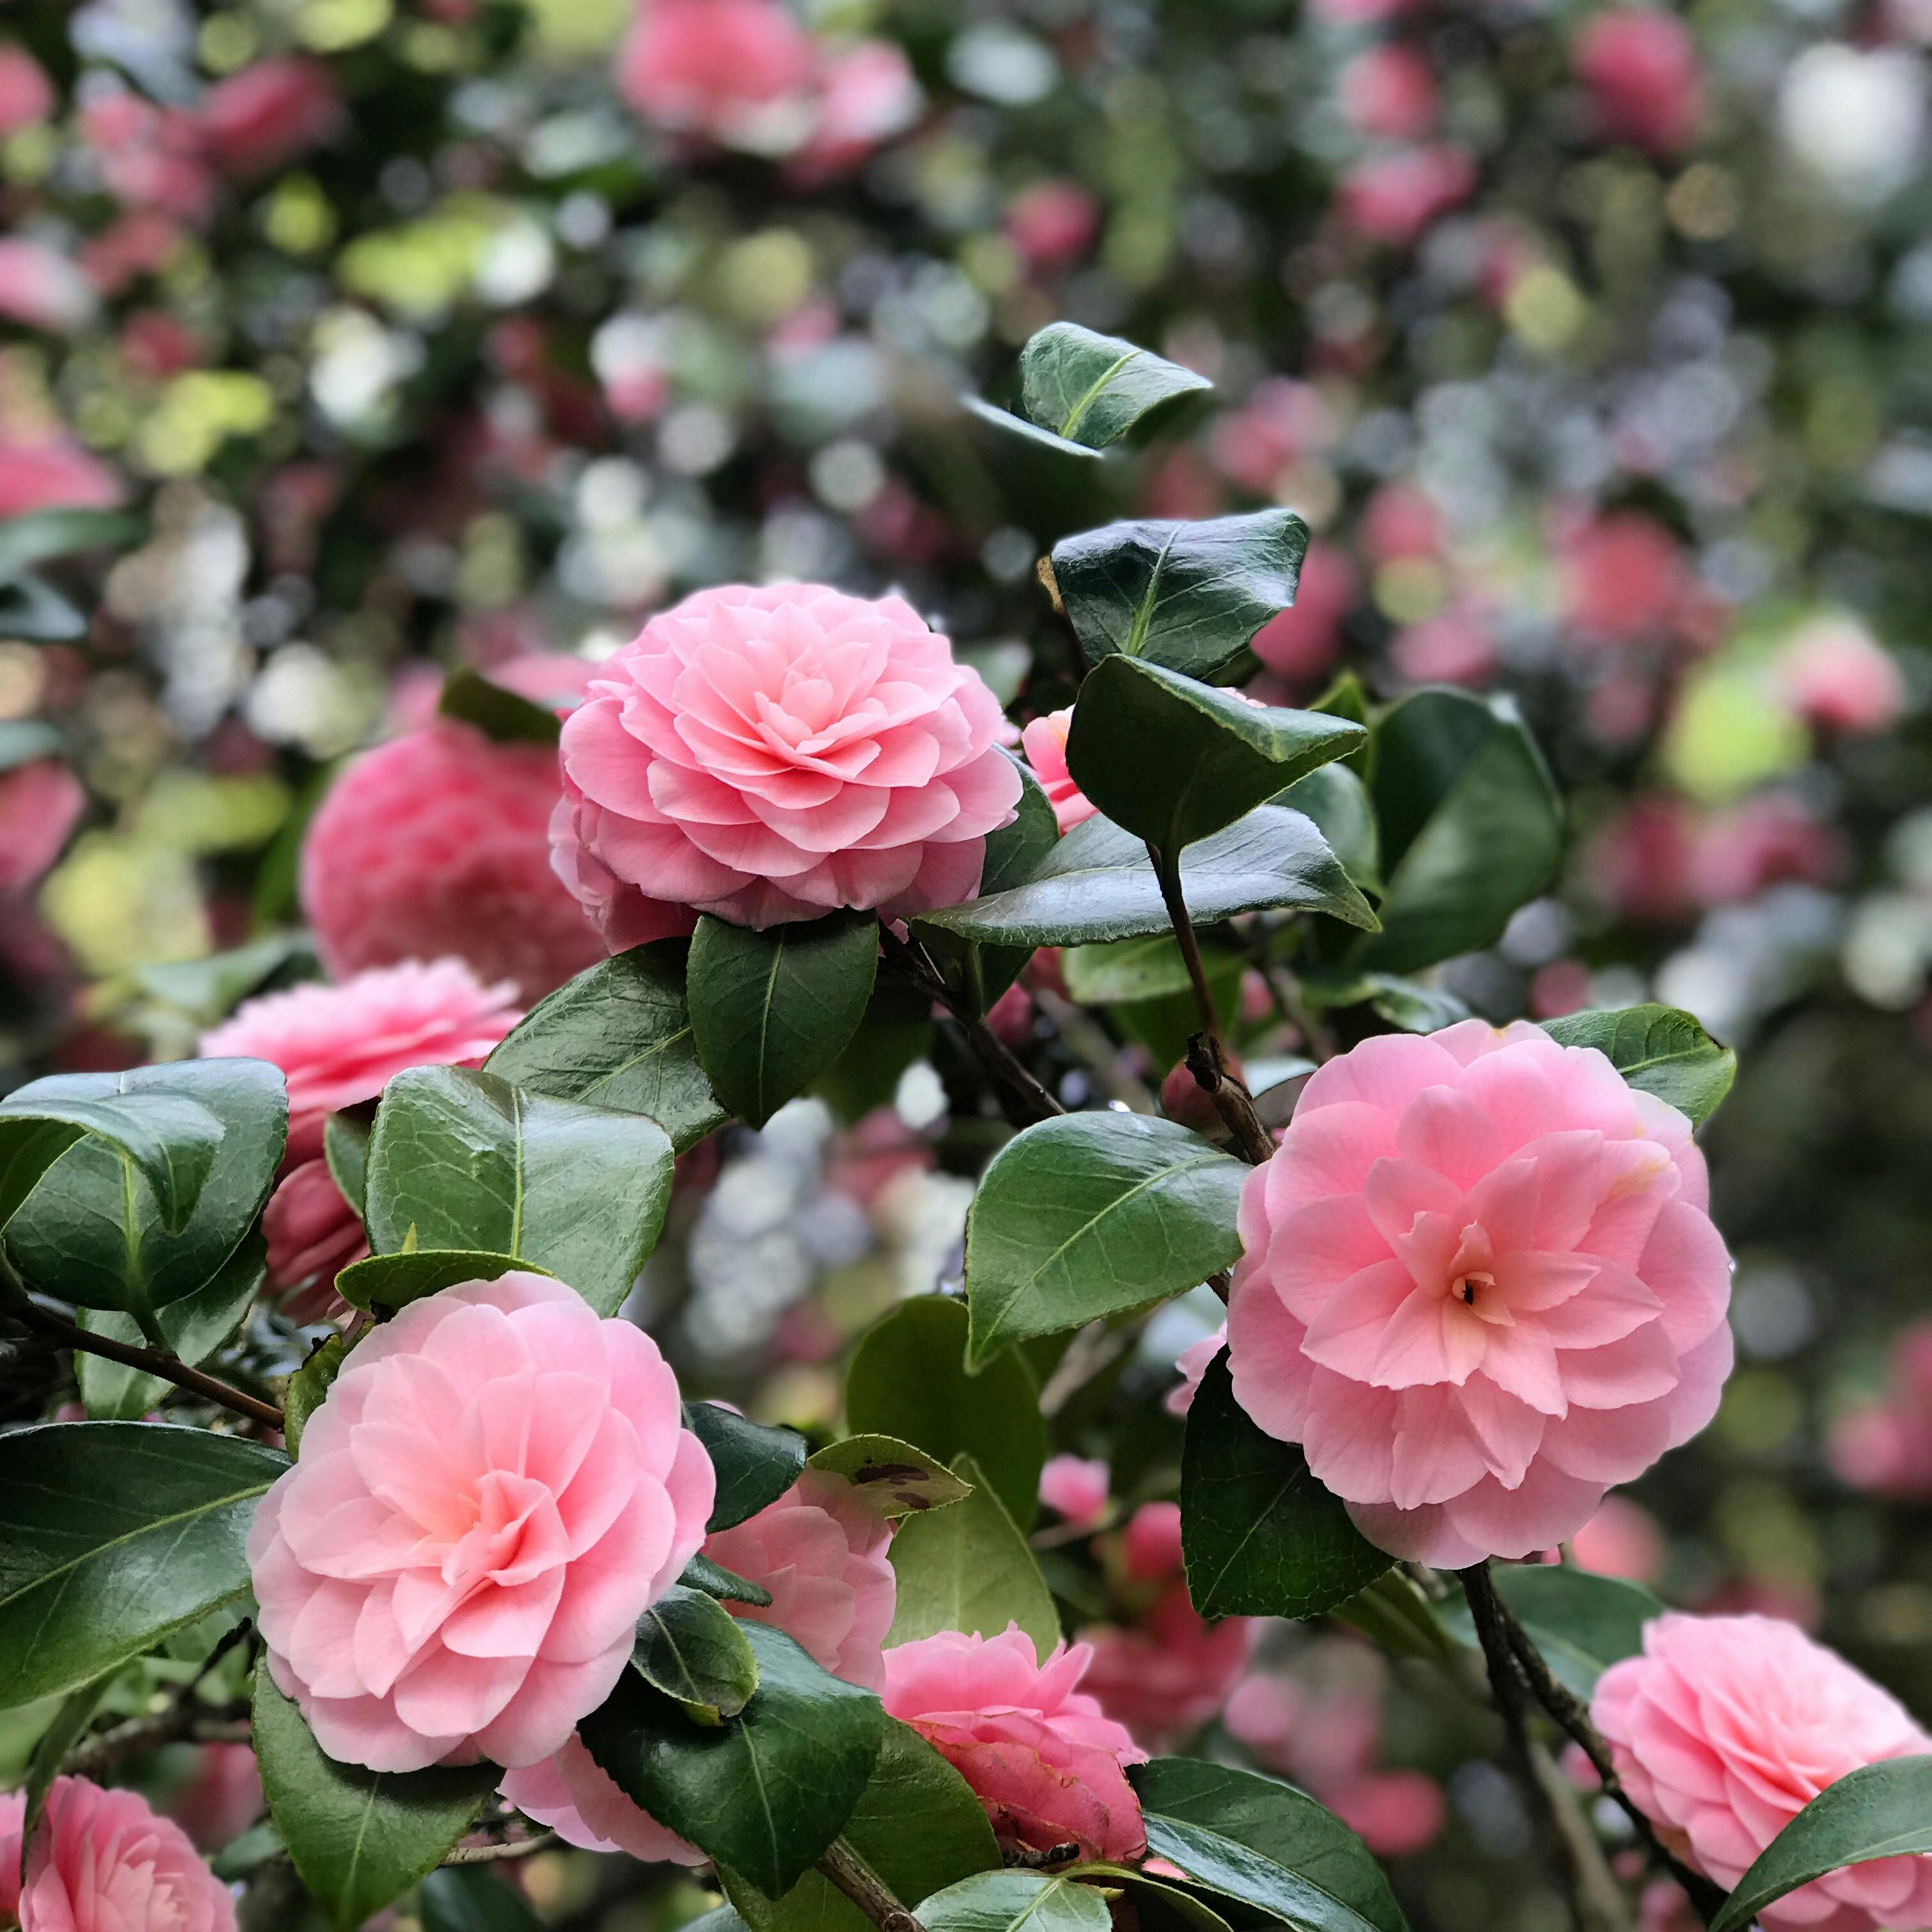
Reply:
x=856, y=1880
x=149, y=1361
x=510, y=1848
x=184, y=1723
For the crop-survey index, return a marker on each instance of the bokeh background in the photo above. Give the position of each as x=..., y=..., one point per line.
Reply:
x=1594, y=343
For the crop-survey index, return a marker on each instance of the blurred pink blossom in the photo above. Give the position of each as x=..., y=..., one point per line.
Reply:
x=26, y=95
x=1390, y=92
x=1838, y=675
x=1622, y=1539
x=1640, y=69
x=1075, y=1487
x=42, y=288
x=1393, y=198
x=41, y=803
x=52, y=471
x=268, y=115
x=865, y=94
x=1052, y=223
x=735, y=71
x=1169, y=1673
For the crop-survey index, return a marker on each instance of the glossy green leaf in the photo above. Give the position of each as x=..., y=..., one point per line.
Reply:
x=1174, y=761
x=193, y=1328
x=1880, y=1810
x=908, y=1379
x=968, y=1568
x=618, y=1035
x=69, y=1725
x=473, y=1898
x=1097, y=884
x=1259, y=1535
x=755, y=1464
x=308, y=1387
x=891, y=1477
x=764, y=1794
x=773, y=1010
x=461, y=1158
x=691, y=1648
x=1189, y=596
x=1660, y=1051
x=1159, y=1905
x=358, y=1839
x=113, y=1534
x=1393, y=1612
x=1257, y=1839
x=1040, y=441
x=1132, y=970
x=383, y=1283
x=917, y=1825
x=1338, y=801
x=209, y=989
x=94, y=1232
x=727, y=1585
x=1471, y=827
x=897, y=1031
x=1005, y=1901
x=497, y=711
x=345, y=1146
x=1088, y=1215
x=1094, y=389
x=1582, y=1622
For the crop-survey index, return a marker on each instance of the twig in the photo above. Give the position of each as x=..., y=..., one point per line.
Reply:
x=863, y=1886
x=149, y=1361
x=1089, y=1040
x=1095, y=1348
x=1601, y=1906
x=182, y=1723
x=510, y=1848
x=1316, y=1034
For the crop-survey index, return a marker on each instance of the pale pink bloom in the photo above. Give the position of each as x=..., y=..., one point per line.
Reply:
x=1401, y=521
x=268, y=115
x=1457, y=646
x=133, y=245
x=1302, y=642
x=1621, y=1540
x=1052, y=223
x=340, y=1044
x=771, y=754
x=1725, y=1728
x=1192, y=1363
x=496, y=1486
x=1393, y=198
x=1011, y=1015
x=1282, y=423
x=1623, y=579
x=1076, y=1487
x=102, y=1861
x=865, y=94
x=821, y=1551
x=222, y=1798
x=1396, y=1813
x=1390, y=92
x=26, y=94
x=1838, y=675
x=439, y=843
x=579, y=1802
x=1639, y=69
x=41, y=803
x=1762, y=842
x=1037, y=1751
x=52, y=473
x=42, y=288
x=555, y=679
x=1044, y=741
x=1170, y=1672
x=1886, y=1446
x=1479, y=1285
x=1151, y=1543
x=312, y=1234
x=149, y=157
x=738, y=71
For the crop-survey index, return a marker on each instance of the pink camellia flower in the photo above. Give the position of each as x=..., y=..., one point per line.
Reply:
x=1170, y=1671
x=1457, y=645
x=1621, y=1540
x=865, y=94
x=1623, y=579
x=1193, y=1363
x=313, y=1232
x=262, y=118
x=1302, y=642
x=438, y=843
x=737, y=71
x=821, y=1551
x=1076, y=1487
x=42, y=288
x=572, y=1794
x=1039, y=1753
x=1044, y=741
x=1886, y=1446
x=1396, y=1813
x=52, y=473
x=1052, y=224
x=496, y=1486
x=149, y=157
x=102, y=1861
x=41, y=803
x=1150, y=1543
x=1640, y=69
x=1402, y=520
x=26, y=95
x=341, y=1045
x=1838, y=675
x=1479, y=1285
x=222, y=1798
x=1393, y=198
x=1390, y=92
x=771, y=754
x=1281, y=423
x=1724, y=1728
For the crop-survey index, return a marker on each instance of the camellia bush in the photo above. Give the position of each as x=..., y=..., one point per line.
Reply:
x=372, y=1474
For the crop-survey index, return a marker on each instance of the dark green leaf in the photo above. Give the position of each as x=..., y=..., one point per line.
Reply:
x=1175, y=761
x=763, y=1794
x=1160, y=1907
x=891, y=1476
x=112, y=1535
x=70, y=1723
x=1659, y=1050
x=497, y=711
x=94, y=1231
x=756, y=1465
x=917, y=1825
x=1094, y=389
x=1260, y=1536
x=1265, y=1843
x=1004, y=1901
x=714, y=1580
x=908, y=1379
x=1039, y=439
x=691, y=1648
x=308, y=1386
x=1582, y=1622
x=619, y=1036
x=358, y=1839
x=968, y=1568
x=773, y=1010
x=247, y=1851
x=473, y=1898
x=1393, y=1611
x=1097, y=884
x=40, y=536
x=33, y=610
x=1088, y=1215
x=897, y=1031
x=461, y=1158
x=345, y=1146
x=1880, y=1810
x=1471, y=827
x=385, y=1283
x=1189, y=596
x=1402, y=1002
x=209, y=989
x=1131, y=969
x=1338, y=802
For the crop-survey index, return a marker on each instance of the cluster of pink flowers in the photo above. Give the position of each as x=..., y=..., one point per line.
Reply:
x=1886, y=1446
